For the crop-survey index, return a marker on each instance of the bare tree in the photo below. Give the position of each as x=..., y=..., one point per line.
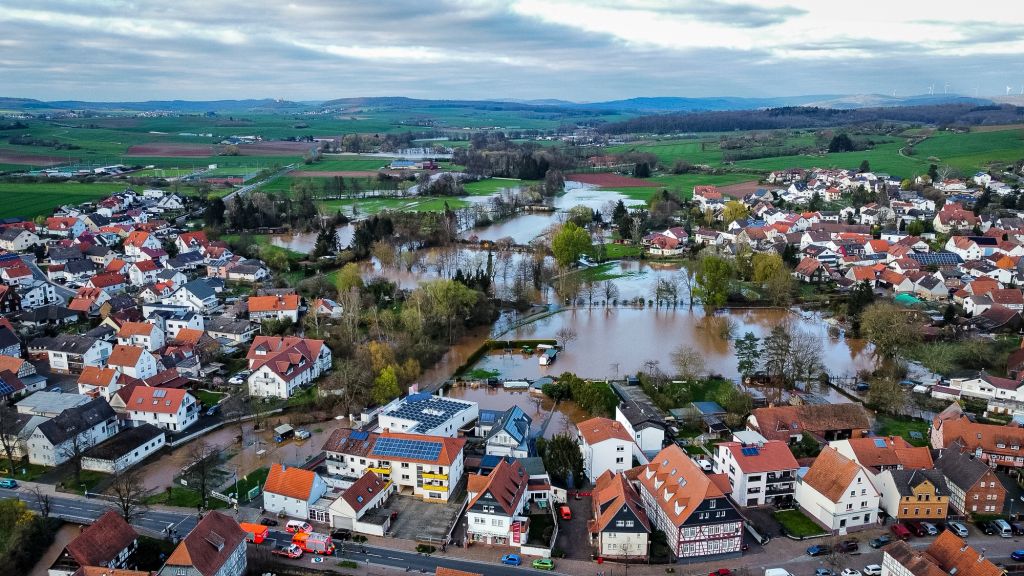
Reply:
x=130, y=494
x=42, y=502
x=688, y=362
x=201, y=458
x=687, y=280
x=610, y=291
x=565, y=335
x=588, y=291
x=256, y=409
x=9, y=439
x=73, y=448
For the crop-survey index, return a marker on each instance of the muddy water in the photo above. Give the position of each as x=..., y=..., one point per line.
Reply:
x=525, y=227
x=537, y=407
x=242, y=456
x=304, y=242
x=611, y=343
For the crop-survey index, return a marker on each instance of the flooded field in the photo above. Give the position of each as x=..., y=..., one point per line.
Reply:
x=304, y=242
x=613, y=342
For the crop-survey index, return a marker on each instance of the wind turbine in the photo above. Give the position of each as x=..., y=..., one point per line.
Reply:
x=945, y=89
x=1008, y=89
x=931, y=89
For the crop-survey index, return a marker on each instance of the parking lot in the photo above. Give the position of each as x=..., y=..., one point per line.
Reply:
x=573, y=535
x=419, y=520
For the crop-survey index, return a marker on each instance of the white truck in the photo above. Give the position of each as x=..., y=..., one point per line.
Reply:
x=776, y=572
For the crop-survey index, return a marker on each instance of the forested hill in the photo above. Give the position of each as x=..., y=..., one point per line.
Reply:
x=813, y=117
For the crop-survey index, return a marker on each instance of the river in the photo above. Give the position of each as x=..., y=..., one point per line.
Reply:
x=304, y=242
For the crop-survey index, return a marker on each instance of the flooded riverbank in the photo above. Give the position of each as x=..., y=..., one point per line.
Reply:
x=304, y=242
x=539, y=408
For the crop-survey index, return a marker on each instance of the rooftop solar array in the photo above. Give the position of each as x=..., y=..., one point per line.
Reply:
x=402, y=448
x=749, y=451
x=879, y=443
x=159, y=393
x=937, y=258
x=429, y=412
x=359, y=435
x=5, y=388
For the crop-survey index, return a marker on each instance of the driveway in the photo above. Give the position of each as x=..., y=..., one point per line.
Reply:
x=573, y=535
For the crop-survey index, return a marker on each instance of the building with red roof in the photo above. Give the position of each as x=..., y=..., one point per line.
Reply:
x=606, y=445
x=280, y=365
x=497, y=512
x=370, y=491
x=172, y=409
x=759, y=474
x=619, y=527
x=292, y=490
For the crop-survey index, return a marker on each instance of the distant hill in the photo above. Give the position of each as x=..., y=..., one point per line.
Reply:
x=644, y=105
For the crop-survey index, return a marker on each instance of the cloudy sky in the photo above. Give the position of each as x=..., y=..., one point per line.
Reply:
x=581, y=50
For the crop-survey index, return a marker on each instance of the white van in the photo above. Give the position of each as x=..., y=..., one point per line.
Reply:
x=1004, y=528
x=294, y=526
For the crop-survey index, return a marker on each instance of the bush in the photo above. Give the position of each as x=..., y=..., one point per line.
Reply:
x=347, y=564
x=425, y=549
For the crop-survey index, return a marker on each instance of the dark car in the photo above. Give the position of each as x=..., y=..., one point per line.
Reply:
x=986, y=527
x=900, y=531
x=268, y=522
x=1018, y=528
x=1017, y=555
x=823, y=572
x=847, y=546
x=880, y=541
x=817, y=550
x=916, y=528
x=213, y=410
x=341, y=534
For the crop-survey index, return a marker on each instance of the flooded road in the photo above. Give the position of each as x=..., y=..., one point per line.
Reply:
x=614, y=342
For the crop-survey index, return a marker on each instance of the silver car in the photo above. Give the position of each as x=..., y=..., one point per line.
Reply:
x=932, y=529
x=957, y=528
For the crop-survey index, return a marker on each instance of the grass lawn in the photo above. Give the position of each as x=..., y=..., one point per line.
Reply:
x=618, y=251
x=684, y=183
x=601, y=273
x=31, y=471
x=209, y=398
x=332, y=163
x=490, y=186
x=303, y=398
x=797, y=523
x=89, y=478
x=28, y=200
x=480, y=374
x=185, y=498
x=266, y=248
x=257, y=477
x=891, y=426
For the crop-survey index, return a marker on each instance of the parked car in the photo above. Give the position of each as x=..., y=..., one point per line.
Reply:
x=916, y=528
x=298, y=526
x=931, y=528
x=288, y=551
x=268, y=522
x=1017, y=555
x=847, y=546
x=872, y=570
x=900, y=531
x=511, y=560
x=239, y=378
x=863, y=386
x=56, y=389
x=302, y=434
x=342, y=534
x=958, y=528
x=986, y=527
x=817, y=550
x=213, y=410
x=721, y=572
x=823, y=572
x=850, y=572
x=1018, y=528
x=880, y=541
x=8, y=483
x=564, y=512
x=543, y=564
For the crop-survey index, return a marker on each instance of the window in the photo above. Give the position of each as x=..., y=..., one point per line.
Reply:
x=849, y=506
x=629, y=523
x=618, y=460
x=620, y=448
x=853, y=492
x=863, y=491
x=479, y=520
x=620, y=523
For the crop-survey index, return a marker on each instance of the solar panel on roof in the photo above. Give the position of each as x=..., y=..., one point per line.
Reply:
x=749, y=451
x=159, y=393
x=359, y=435
x=879, y=443
x=402, y=448
x=5, y=388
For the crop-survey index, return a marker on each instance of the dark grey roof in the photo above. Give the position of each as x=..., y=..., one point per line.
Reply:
x=515, y=423
x=98, y=219
x=166, y=274
x=76, y=420
x=69, y=343
x=960, y=468
x=101, y=332
x=907, y=480
x=228, y=325
x=121, y=302
x=11, y=234
x=97, y=250
x=185, y=259
x=62, y=253
x=124, y=442
x=79, y=266
x=47, y=313
x=534, y=465
x=200, y=288
x=247, y=268
x=937, y=258
x=8, y=338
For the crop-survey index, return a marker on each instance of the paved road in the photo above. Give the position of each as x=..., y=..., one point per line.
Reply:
x=254, y=185
x=30, y=261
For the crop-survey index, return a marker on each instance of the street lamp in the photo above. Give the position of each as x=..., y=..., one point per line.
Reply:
x=85, y=491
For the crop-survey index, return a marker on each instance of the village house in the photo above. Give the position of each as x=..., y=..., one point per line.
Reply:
x=65, y=227
x=137, y=241
x=428, y=467
x=99, y=382
x=18, y=239
x=133, y=361
x=142, y=272
x=684, y=503
x=998, y=446
x=230, y=330
x=10, y=300
x=878, y=454
x=142, y=334
x=916, y=494
x=946, y=555
x=762, y=473
x=285, y=307
x=106, y=543
x=619, y=527
x=215, y=547
x=292, y=490
x=280, y=365
x=498, y=512
x=510, y=434
x=172, y=409
x=70, y=354
x=606, y=445
x=68, y=434
x=972, y=484
x=424, y=413
x=124, y=449
x=354, y=509
x=838, y=493
x=88, y=301
x=824, y=422
x=644, y=424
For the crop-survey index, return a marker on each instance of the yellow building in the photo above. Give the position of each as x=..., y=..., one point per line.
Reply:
x=915, y=494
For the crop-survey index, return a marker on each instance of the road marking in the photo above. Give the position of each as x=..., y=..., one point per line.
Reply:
x=395, y=558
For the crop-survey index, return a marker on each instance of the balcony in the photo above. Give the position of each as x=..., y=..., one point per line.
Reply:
x=784, y=477
x=434, y=487
x=779, y=490
x=380, y=471
x=434, y=476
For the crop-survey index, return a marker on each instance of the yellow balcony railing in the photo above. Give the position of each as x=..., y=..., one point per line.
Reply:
x=381, y=471
x=434, y=475
x=436, y=488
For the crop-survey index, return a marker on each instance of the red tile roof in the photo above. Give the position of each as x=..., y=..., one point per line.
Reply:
x=613, y=493
x=156, y=400
x=506, y=485
x=831, y=474
x=94, y=376
x=771, y=456
x=102, y=541
x=896, y=452
x=363, y=491
x=125, y=355
x=597, y=430
x=273, y=303
x=290, y=482
x=129, y=329
x=106, y=280
x=677, y=483
x=209, y=545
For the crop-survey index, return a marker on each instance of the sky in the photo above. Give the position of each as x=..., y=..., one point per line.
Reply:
x=579, y=50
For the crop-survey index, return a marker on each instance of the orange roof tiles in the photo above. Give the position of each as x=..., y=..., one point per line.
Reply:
x=136, y=239
x=273, y=303
x=831, y=474
x=95, y=376
x=771, y=456
x=954, y=556
x=11, y=364
x=124, y=355
x=597, y=430
x=896, y=452
x=290, y=482
x=102, y=541
x=613, y=492
x=197, y=549
x=445, y=571
x=506, y=485
x=129, y=329
x=677, y=483
x=156, y=400
x=189, y=335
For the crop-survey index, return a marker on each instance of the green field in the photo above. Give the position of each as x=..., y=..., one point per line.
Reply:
x=161, y=173
x=490, y=186
x=31, y=200
x=333, y=162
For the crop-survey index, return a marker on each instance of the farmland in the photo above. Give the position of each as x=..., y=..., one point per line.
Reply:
x=32, y=200
x=375, y=205
x=490, y=186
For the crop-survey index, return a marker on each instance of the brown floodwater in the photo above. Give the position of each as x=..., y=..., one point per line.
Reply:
x=539, y=408
x=304, y=242
x=614, y=342
x=65, y=534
